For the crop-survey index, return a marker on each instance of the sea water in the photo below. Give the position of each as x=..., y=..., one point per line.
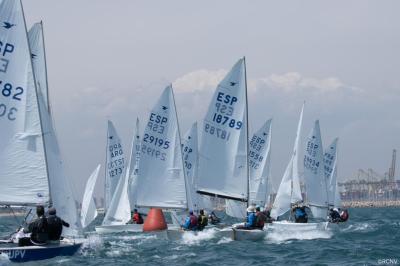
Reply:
x=370, y=237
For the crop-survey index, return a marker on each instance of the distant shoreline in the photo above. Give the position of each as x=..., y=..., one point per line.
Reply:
x=371, y=204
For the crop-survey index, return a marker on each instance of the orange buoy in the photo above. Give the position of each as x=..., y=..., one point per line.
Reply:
x=155, y=221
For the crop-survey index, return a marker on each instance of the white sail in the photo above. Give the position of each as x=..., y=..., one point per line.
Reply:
x=283, y=198
x=222, y=161
x=314, y=173
x=134, y=163
x=119, y=210
x=259, y=164
x=190, y=159
x=289, y=190
x=330, y=167
x=115, y=163
x=23, y=173
x=60, y=186
x=36, y=43
x=161, y=178
x=89, y=211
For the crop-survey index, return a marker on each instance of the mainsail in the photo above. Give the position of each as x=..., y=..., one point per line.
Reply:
x=223, y=169
x=330, y=167
x=161, y=178
x=316, y=185
x=89, y=211
x=289, y=191
x=23, y=172
x=115, y=164
x=259, y=164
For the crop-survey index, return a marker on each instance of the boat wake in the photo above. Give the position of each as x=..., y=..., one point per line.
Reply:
x=194, y=238
x=281, y=236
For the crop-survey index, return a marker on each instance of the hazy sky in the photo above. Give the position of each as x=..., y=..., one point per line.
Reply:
x=112, y=59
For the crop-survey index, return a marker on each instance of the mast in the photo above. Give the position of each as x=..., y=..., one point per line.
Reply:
x=180, y=148
x=37, y=100
x=247, y=134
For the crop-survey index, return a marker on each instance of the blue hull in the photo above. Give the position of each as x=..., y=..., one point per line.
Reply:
x=24, y=254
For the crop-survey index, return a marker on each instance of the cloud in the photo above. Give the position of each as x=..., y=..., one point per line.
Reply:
x=198, y=81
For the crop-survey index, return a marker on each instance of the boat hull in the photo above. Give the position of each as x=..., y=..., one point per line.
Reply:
x=31, y=253
x=250, y=235
x=107, y=229
x=131, y=228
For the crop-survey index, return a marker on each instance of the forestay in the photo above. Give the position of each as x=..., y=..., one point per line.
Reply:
x=115, y=163
x=89, y=210
x=314, y=173
x=161, y=178
x=23, y=173
x=330, y=167
x=289, y=191
x=223, y=153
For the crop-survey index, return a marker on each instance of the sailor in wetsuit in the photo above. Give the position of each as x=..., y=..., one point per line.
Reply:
x=55, y=225
x=38, y=229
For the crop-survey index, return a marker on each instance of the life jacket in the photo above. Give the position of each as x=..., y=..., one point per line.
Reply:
x=260, y=219
x=202, y=221
x=137, y=218
x=344, y=216
x=193, y=221
x=251, y=220
x=299, y=213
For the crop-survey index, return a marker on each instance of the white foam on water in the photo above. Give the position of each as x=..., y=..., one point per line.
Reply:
x=224, y=240
x=194, y=238
x=281, y=236
x=359, y=227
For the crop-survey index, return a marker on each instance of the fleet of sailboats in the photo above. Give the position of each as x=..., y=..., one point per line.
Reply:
x=163, y=170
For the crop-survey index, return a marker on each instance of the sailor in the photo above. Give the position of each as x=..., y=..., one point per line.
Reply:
x=251, y=218
x=334, y=215
x=344, y=215
x=300, y=215
x=55, y=225
x=190, y=222
x=136, y=217
x=260, y=218
x=38, y=229
x=202, y=220
x=268, y=218
x=214, y=218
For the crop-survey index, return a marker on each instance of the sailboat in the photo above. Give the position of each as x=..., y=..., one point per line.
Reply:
x=89, y=210
x=330, y=167
x=259, y=160
x=26, y=172
x=118, y=213
x=115, y=164
x=161, y=180
x=289, y=192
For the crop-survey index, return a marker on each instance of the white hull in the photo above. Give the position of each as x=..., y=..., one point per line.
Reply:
x=303, y=227
x=106, y=229
x=250, y=235
x=132, y=228
x=210, y=231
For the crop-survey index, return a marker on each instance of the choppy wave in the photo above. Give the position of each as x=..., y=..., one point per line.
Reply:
x=370, y=237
